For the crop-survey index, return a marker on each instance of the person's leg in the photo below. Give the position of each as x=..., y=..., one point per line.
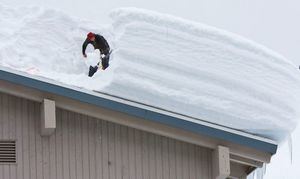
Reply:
x=105, y=62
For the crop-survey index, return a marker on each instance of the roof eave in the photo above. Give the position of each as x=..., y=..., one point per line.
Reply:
x=138, y=110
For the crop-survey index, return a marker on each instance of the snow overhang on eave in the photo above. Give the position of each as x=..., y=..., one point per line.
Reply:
x=140, y=110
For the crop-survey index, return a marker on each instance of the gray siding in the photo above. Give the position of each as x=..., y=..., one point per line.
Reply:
x=85, y=147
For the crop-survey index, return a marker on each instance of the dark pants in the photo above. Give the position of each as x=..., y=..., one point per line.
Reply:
x=105, y=61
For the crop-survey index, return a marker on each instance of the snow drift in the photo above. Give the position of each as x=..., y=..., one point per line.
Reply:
x=164, y=61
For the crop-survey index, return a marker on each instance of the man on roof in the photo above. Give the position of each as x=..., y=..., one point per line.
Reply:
x=99, y=42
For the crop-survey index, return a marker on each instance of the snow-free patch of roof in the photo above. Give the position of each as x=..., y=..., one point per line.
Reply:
x=163, y=61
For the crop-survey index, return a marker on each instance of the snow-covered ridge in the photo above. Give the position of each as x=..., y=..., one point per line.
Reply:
x=161, y=60
x=123, y=16
x=205, y=72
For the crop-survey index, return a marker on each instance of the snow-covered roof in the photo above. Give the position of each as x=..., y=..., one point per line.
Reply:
x=163, y=61
x=140, y=110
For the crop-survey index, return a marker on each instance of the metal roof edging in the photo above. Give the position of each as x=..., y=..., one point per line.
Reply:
x=269, y=147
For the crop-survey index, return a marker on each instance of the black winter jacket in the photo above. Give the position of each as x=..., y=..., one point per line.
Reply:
x=99, y=43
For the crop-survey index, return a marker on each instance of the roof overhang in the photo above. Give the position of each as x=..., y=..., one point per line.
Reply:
x=86, y=101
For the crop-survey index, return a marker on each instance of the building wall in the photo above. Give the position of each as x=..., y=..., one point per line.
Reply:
x=85, y=147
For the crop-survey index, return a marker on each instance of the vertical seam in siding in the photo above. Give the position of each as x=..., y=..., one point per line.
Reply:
x=29, y=138
x=88, y=141
x=76, y=131
x=55, y=142
x=68, y=146
x=35, y=136
x=23, y=101
x=16, y=104
x=61, y=146
x=128, y=164
x=35, y=126
x=148, y=146
x=142, y=153
x=42, y=146
x=81, y=136
x=168, y=153
x=35, y=132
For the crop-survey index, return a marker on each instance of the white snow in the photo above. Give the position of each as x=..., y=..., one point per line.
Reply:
x=48, y=43
x=161, y=60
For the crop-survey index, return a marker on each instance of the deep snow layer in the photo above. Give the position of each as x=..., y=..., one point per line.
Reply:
x=48, y=43
x=168, y=62
x=201, y=71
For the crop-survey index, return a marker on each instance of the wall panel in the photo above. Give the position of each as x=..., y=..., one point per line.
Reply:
x=89, y=148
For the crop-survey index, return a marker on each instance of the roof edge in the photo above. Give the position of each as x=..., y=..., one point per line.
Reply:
x=139, y=110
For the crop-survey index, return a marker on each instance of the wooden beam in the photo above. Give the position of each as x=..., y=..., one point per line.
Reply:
x=48, y=123
x=238, y=171
x=245, y=161
x=221, y=163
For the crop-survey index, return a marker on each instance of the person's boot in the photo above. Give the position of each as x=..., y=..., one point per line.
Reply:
x=92, y=70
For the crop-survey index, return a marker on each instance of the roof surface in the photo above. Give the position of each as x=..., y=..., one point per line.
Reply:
x=140, y=110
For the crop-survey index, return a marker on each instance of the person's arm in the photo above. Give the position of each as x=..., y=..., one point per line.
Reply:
x=84, y=45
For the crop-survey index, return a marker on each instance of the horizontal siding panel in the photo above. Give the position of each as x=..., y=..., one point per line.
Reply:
x=83, y=147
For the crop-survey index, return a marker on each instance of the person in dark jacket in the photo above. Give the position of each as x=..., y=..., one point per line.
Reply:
x=99, y=42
